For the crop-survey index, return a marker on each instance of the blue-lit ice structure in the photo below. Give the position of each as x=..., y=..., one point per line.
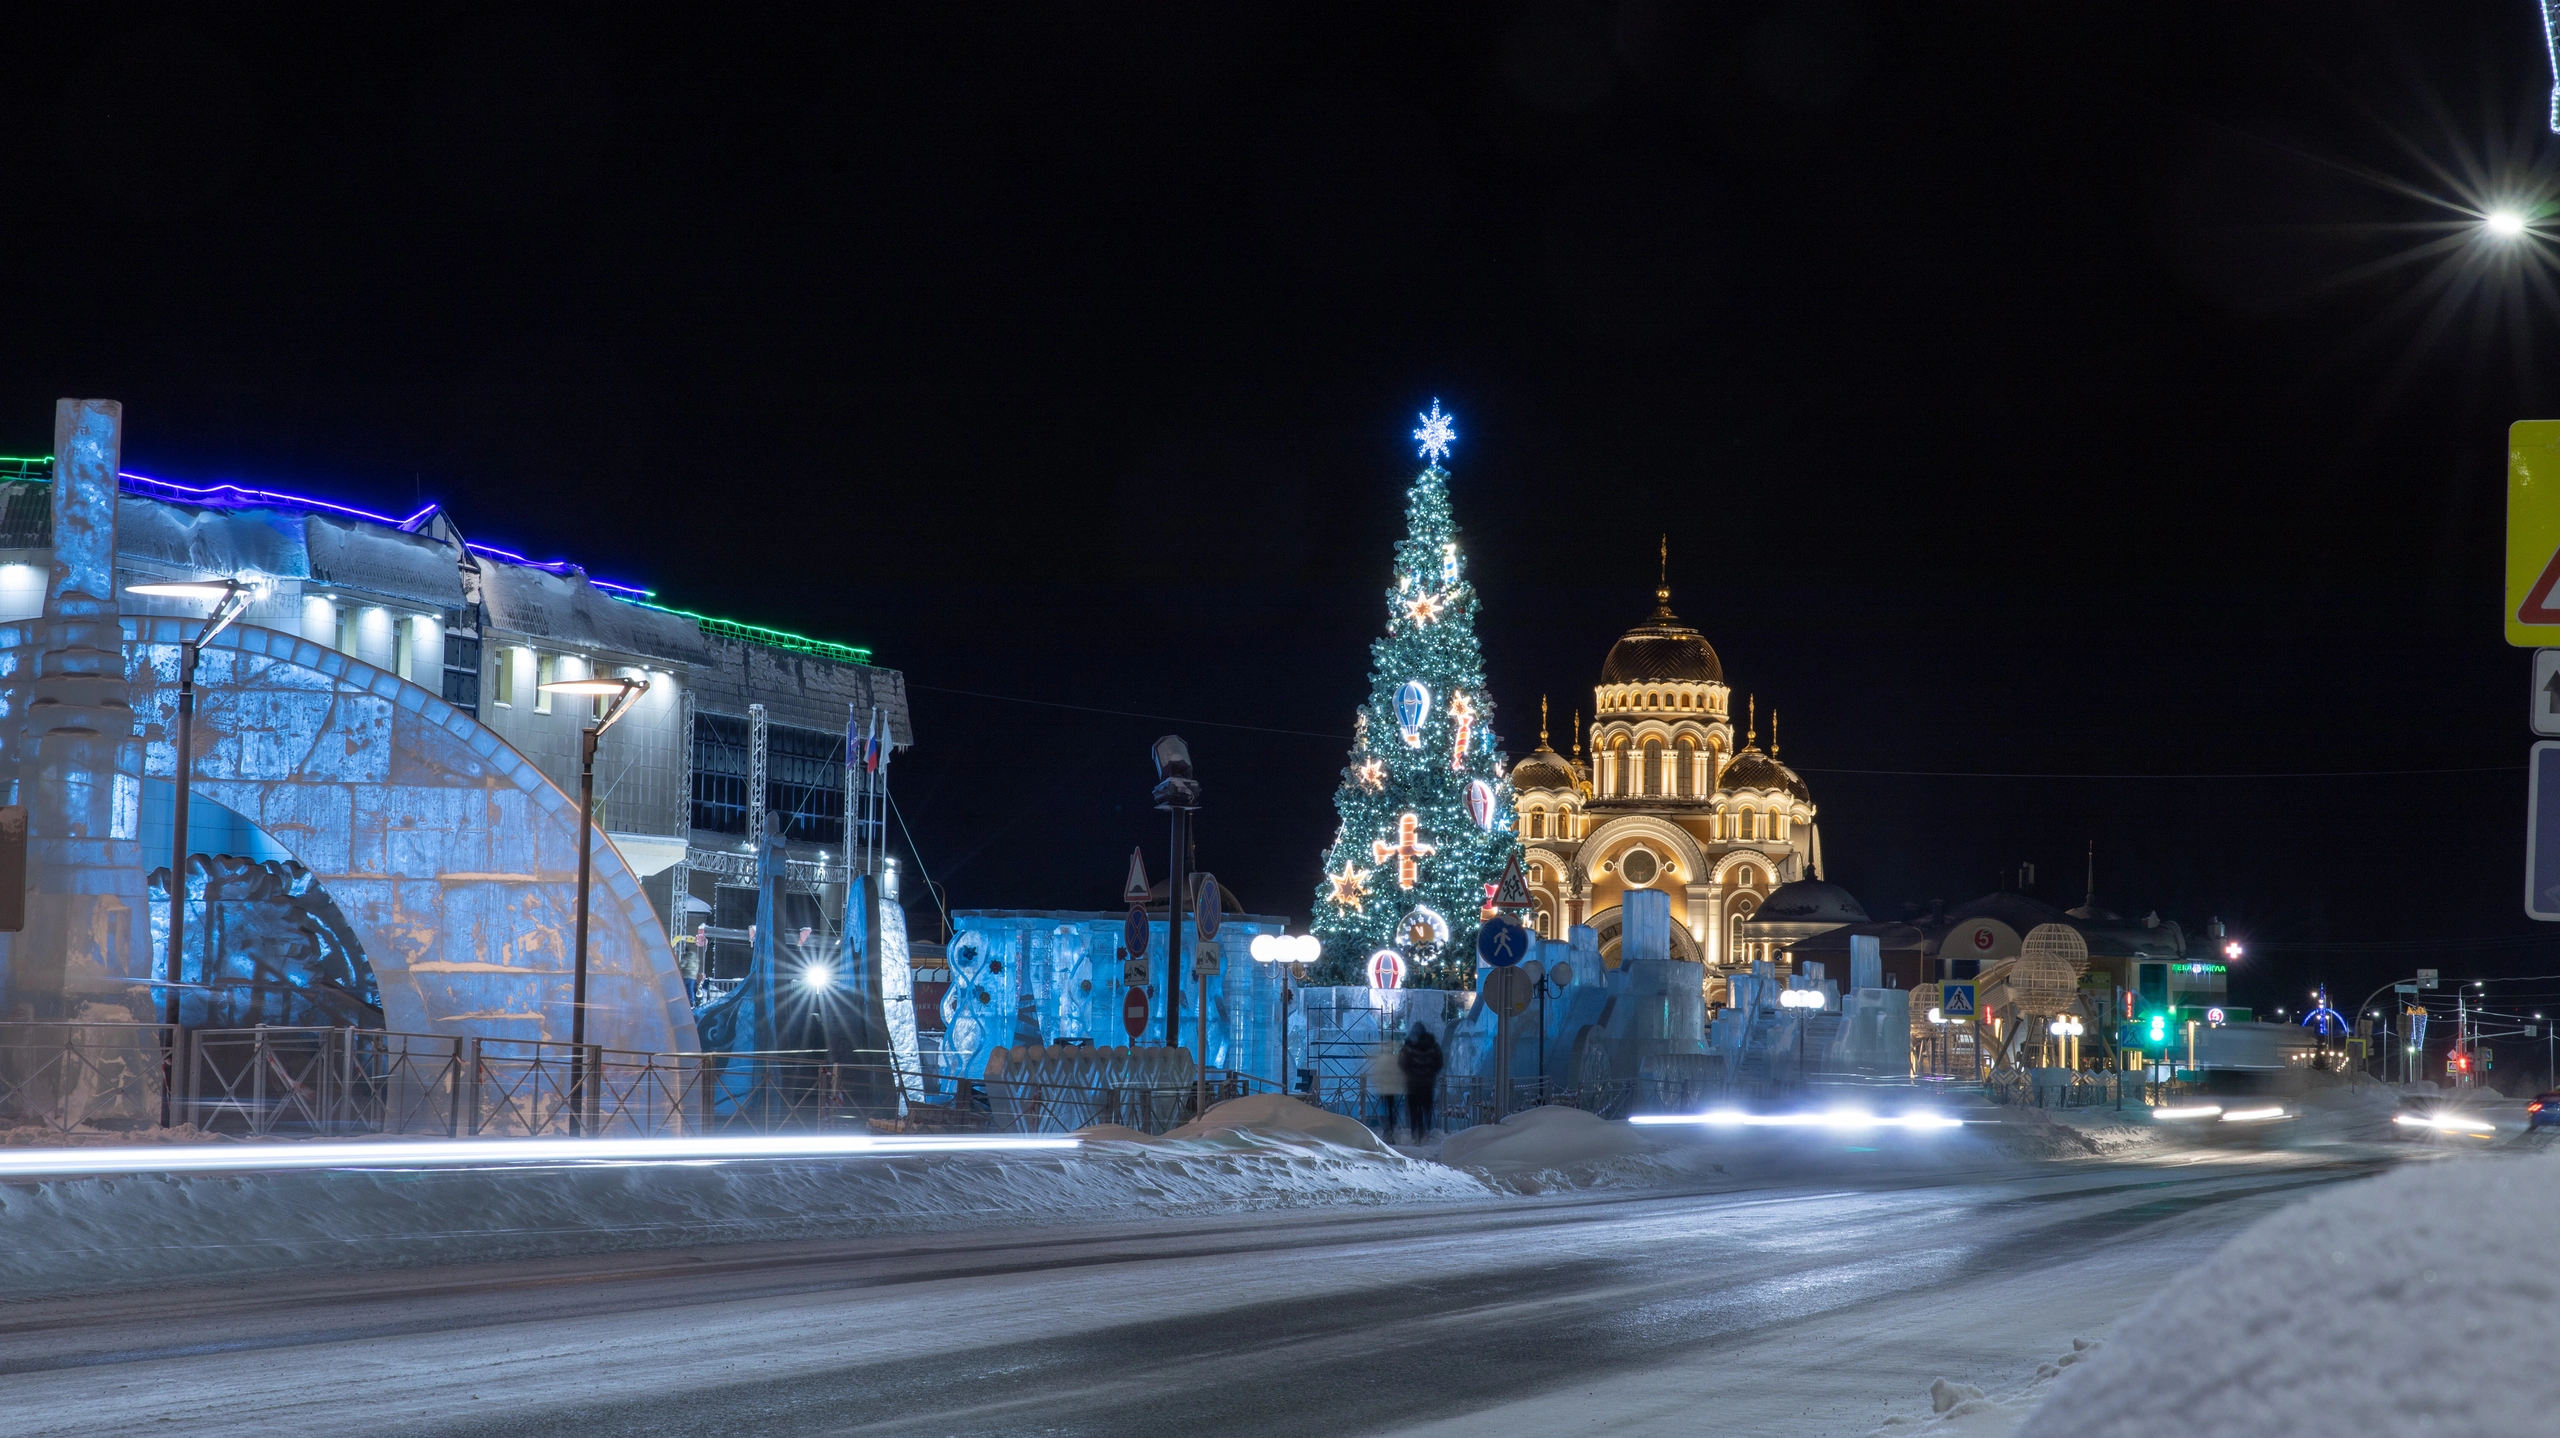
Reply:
x=1051, y=976
x=454, y=859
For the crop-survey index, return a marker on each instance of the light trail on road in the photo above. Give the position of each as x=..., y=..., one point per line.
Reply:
x=103, y=1162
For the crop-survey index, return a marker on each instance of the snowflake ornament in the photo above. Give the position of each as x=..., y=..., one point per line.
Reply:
x=1438, y=432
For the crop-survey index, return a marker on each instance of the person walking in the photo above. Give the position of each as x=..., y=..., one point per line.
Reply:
x=1421, y=1060
x=1386, y=1085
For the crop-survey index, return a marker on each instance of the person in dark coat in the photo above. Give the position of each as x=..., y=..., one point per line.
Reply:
x=1421, y=1060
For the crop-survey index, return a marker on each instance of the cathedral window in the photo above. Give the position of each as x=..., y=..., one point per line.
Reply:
x=1685, y=768
x=1537, y=825
x=1653, y=768
x=1745, y=876
x=1748, y=828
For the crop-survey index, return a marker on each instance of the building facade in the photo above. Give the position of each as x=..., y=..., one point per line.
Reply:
x=737, y=717
x=1666, y=800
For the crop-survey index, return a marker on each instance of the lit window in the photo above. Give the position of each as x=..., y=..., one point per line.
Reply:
x=546, y=669
x=505, y=675
x=347, y=631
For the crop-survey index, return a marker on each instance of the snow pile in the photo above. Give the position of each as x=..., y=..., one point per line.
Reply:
x=2409, y=1303
x=83, y=1234
x=1280, y=1116
x=1556, y=1147
x=1960, y=1410
x=2036, y=1133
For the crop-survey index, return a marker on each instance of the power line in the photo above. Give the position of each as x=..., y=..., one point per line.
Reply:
x=1802, y=768
x=1130, y=713
x=2264, y=774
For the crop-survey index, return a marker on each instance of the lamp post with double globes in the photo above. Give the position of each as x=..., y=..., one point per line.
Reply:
x=621, y=690
x=229, y=597
x=1285, y=951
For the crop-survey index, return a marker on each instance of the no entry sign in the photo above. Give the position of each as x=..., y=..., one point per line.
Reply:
x=1133, y=1012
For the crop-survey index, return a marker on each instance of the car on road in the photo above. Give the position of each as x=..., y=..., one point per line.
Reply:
x=2544, y=1111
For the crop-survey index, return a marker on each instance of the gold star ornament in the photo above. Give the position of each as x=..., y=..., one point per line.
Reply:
x=1350, y=886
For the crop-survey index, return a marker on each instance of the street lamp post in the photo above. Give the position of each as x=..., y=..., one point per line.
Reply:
x=229, y=597
x=1800, y=999
x=1177, y=792
x=622, y=690
x=1283, y=950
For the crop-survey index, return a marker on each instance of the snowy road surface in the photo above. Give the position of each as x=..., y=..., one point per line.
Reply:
x=1785, y=1311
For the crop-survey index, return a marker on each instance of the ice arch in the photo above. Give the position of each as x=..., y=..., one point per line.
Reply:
x=454, y=858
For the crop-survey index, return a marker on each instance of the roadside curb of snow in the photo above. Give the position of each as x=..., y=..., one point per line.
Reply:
x=1960, y=1410
x=88, y=1234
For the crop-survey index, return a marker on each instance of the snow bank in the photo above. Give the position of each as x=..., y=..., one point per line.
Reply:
x=1960, y=1410
x=1278, y=1115
x=1554, y=1147
x=82, y=1234
x=2414, y=1302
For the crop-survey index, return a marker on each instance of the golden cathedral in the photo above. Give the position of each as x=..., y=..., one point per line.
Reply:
x=1665, y=801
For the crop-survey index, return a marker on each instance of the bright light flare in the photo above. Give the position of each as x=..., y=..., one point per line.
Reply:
x=2441, y=1124
x=486, y=1152
x=1833, y=1119
x=2201, y=1110
x=2253, y=1115
x=817, y=976
x=2505, y=224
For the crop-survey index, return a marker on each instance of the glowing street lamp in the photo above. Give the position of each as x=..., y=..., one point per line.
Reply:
x=1286, y=951
x=2505, y=224
x=228, y=597
x=621, y=690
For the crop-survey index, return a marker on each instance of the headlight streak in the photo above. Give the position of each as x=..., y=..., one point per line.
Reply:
x=491, y=1153
x=2202, y=1110
x=2441, y=1124
x=2253, y=1115
x=1846, y=1119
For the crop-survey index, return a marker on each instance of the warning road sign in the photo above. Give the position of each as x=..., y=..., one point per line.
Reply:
x=1956, y=1000
x=2533, y=533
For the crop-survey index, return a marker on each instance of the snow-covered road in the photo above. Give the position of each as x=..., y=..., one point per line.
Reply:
x=1762, y=1310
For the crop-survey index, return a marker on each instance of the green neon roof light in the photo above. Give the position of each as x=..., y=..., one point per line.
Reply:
x=23, y=466
x=771, y=638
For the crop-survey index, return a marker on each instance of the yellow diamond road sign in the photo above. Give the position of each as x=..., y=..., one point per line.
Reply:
x=2533, y=533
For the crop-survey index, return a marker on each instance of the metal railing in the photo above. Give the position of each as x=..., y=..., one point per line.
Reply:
x=274, y=1082
x=69, y=1076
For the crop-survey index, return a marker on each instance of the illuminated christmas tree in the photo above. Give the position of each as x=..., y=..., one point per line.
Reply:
x=1426, y=817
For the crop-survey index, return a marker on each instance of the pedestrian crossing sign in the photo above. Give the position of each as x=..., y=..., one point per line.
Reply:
x=1956, y=1000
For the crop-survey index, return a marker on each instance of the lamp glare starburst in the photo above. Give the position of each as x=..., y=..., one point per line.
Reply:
x=1438, y=432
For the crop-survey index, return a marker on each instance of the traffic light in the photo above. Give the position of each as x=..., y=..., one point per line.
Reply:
x=2159, y=1028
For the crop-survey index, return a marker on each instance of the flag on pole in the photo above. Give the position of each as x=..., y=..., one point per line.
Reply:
x=881, y=742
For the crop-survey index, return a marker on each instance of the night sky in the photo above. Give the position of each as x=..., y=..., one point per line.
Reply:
x=2024, y=389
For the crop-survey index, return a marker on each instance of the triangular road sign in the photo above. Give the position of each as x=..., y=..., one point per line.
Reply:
x=1135, y=891
x=2538, y=607
x=1513, y=892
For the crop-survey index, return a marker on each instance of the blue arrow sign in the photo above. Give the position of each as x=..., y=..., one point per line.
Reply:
x=1956, y=1000
x=1502, y=943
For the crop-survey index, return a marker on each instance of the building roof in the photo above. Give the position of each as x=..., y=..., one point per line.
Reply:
x=1811, y=901
x=1662, y=648
x=1543, y=768
x=1751, y=769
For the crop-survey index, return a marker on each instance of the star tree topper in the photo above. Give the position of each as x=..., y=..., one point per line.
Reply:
x=1438, y=432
